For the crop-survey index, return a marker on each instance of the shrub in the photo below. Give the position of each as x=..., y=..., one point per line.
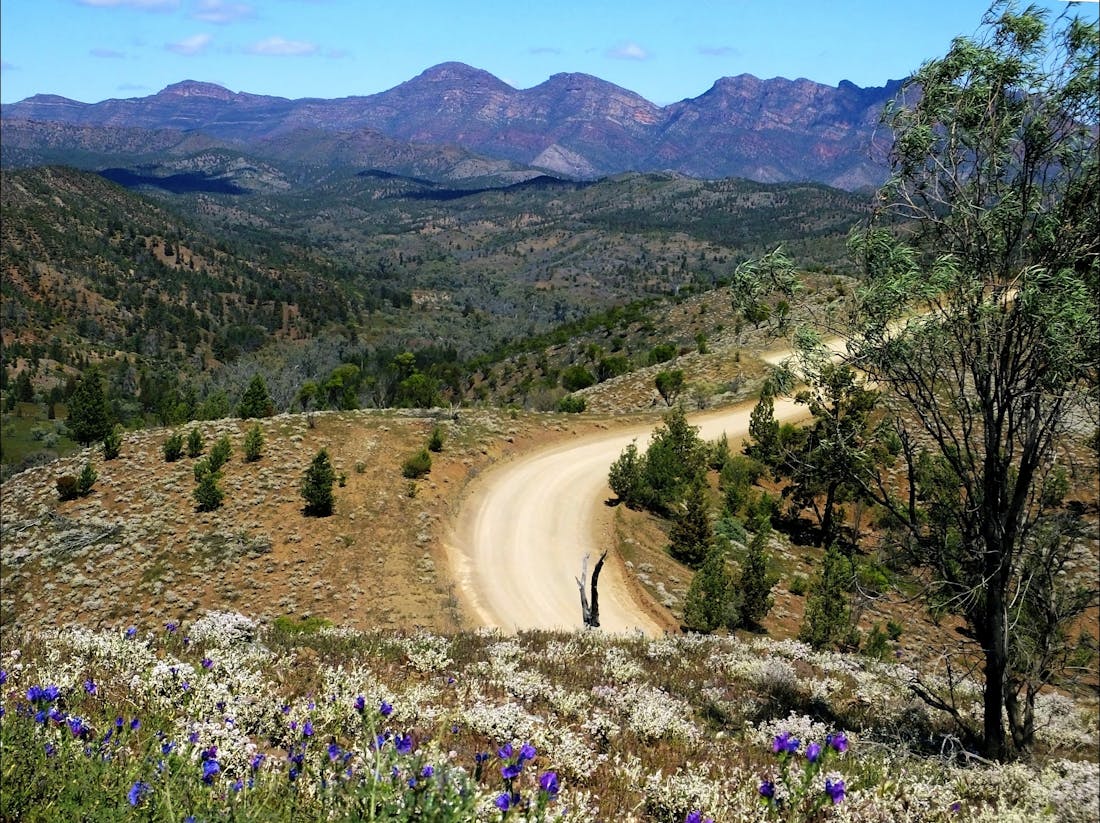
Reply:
x=612, y=366
x=572, y=404
x=417, y=465
x=625, y=477
x=202, y=467
x=112, y=445
x=878, y=644
x=195, y=443
x=86, y=479
x=708, y=605
x=208, y=494
x=661, y=353
x=173, y=448
x=691, y=533
x=317, y=486
x=435, y=440
x=755, y=584
x=738, y=476
x=220, y=453
x=828, y=622
x=253, y=444
x=67, y=487
x=799, y=585
x=576, y=377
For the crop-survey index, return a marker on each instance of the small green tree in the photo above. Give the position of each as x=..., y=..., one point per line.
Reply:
x=256, y=402
x=692, y=535
x=220, y=453
x=764, y=429
x=755, y=584
x=112, y=444
x=435, y=440
x=195, y=443
x=828, y=620
x=90, y=417
x=736, y=480
x=208, y=493
x=625, y=477
x=86, y=479
x=708, y=604
x=253, y=444
x=675, y=461
x=317, y=486
x=173, y=447
x=669, y=385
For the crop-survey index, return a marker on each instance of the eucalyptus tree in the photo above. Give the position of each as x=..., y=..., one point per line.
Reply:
x=978, y=323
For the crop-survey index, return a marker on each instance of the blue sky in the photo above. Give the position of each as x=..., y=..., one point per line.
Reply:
x=665, y=50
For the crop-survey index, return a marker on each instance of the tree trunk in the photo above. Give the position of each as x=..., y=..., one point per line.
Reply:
x=996, y=665
x=827, y=516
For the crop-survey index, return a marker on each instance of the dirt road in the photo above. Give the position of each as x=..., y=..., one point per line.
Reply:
x=526, y=526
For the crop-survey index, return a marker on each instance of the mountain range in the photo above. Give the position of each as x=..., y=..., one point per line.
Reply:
x=454, y=121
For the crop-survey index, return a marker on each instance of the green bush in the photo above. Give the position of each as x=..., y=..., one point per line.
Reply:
x=253, y=444
x=195, y=443
x=435, y=440
x=576, y=377
x=799, y=585
x=828, y=622
x=417, y=465
x=86, y=479
x=220, y=453
x=661, y=353
x=572, y=404
x=709, y=602
x=208, y=494
x=112, y=445
x=173, y=448
x=317, y=486
x=691, y=535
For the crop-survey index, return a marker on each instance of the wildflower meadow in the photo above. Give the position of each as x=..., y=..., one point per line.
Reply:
x=224, y=719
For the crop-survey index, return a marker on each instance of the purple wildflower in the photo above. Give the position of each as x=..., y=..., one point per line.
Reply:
x=3, y=677
x=131, y=632
x=307, y=729
x=505, y=751
x=135, y=724
x=835, y=789
x=207, y=663
x=137, y=792
x=427, y=771
x=838, y=741
x=90, y=686
x=334, y=751
x=167, y=747
x=512, y=771
x=210, y=770
x=813, y=752
x=504, y=802
x=767, y=790
x=403, y=743
x=385, y=709
x=171, y=626
x=360, y=704
x=548, y=782
x=785, y=743
x=256, y=761
x=527, y=752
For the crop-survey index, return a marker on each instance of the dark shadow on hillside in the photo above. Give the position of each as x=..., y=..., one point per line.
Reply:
x=183, y=183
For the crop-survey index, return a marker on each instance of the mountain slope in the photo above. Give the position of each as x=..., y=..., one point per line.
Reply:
x=766, y=130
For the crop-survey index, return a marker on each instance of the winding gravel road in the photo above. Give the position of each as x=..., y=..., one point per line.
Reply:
x=526, y=525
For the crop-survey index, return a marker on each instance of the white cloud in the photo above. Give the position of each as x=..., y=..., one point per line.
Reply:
x=628, y=51
x=144, y=5
x=190, y=46
x=281, y=47
x=108, y=54
x=221, y=12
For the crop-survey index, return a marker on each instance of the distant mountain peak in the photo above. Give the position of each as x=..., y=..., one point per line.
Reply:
x=195, y=88
x=454, y=71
